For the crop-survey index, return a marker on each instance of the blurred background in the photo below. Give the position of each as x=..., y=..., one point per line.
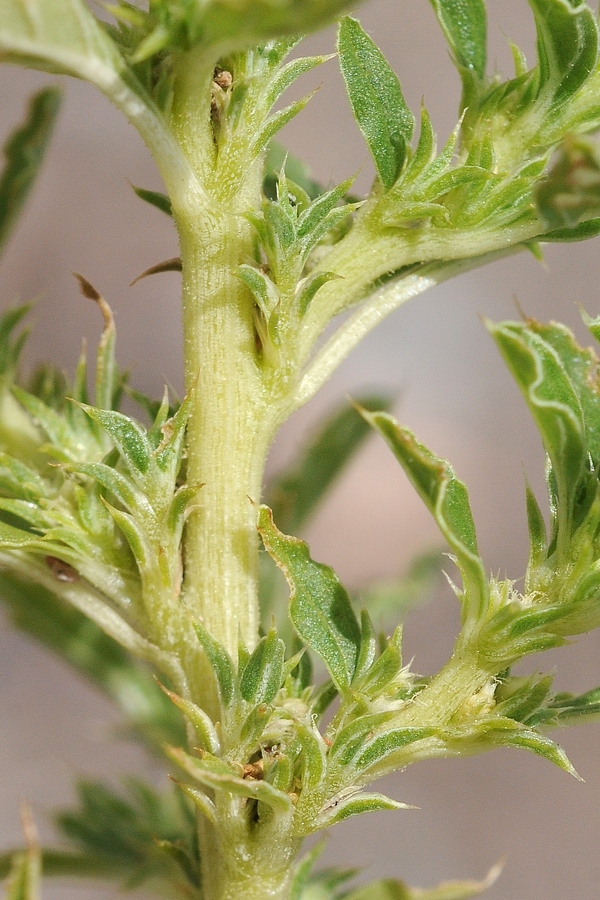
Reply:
x=451, y=388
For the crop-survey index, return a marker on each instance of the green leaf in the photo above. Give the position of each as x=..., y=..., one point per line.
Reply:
x=295, y=494
x=220, y=663
x=201, y=722
x=537, y=530
x=24, y=152
x=263, y=673
x=263, y=290
x=567, y=43
x=376, y=99
x=59, y=36
x=388, y=889
x=156, y=199
x=337, y=810
x=215, y=774
x=128, y=437
x=581, y=232
x=276, y=121
x=557, y=381
x=302, y=870
x=64, y=864
x=446, y=498
x=278, y=159
x=464, y=23
x=319, y=605
x=309, y=286
x=125, y=831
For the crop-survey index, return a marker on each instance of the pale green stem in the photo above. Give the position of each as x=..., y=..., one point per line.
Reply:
x=366, y=254
x=238, y=865
x=229, y=428
x=372, y=311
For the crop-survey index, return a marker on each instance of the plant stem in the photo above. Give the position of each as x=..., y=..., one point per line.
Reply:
x=228, y=432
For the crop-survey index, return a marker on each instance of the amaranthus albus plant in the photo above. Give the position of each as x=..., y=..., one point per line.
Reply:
x=133, y=549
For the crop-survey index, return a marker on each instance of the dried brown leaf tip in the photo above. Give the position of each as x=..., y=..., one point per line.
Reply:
x=88, y=290
x=169, y=265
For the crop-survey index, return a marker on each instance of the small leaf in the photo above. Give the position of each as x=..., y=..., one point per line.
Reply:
x=129, y=438
x=465, y=26
x=319, y=605
x=388, y=889
x=537, y=531
x=554, y=377
x=308, y=287
x=278, y=158
x=201, y=721
x=368, y=646
x=263, y=673
x=220, y=662
x=376, y=99
x=276, y=121
x=264, y=291
x=447, y=499
x=24, y=152
x=217, y=775
x=339, y=809
x=154, y=198
x=199, y=799
x=302, y=870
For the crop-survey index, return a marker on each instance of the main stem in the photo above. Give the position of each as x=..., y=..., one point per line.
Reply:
x=228, y=432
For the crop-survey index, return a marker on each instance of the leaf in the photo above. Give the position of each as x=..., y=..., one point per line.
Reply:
x=309, y=286
x=567, y=43
x=389, y=889
x=302, y=870
x=155, y=198
x=217, y=775
x=337, y=810
x=446, y=498
x=319, y=605
x=59, y=36
x=63, y=864
x=556, y=379
x=276, y=121
x=295, y=494
x=200, y=720
x=464, y=23
x=263, y=290
x=376, y=99
x=263, y=673
x=124, y=833
x=581, y=232
x=24, y=152
x=220, y=663
x=129, y=438
x=277, y=158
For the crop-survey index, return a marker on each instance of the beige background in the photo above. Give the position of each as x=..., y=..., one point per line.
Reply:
x=454, y=392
